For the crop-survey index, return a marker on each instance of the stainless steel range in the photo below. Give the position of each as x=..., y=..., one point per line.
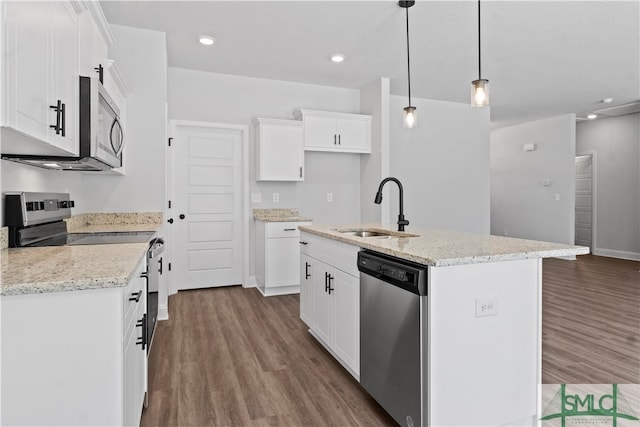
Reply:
x=37, y=219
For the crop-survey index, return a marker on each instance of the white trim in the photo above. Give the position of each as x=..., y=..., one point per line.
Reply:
x=251, y=282
x=612, y=253
x=163, y=312
x=96, y=12
x=245, y=209
x=594, y=198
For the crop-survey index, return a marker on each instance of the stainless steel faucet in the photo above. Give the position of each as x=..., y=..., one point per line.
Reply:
x=401, y=221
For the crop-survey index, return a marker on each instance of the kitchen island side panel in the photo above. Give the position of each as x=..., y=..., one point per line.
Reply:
x=484, y=370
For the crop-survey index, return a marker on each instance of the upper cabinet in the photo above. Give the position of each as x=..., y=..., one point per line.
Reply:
x=40, y=64
x=338, y=132
x=280, y=154
x=93, y=46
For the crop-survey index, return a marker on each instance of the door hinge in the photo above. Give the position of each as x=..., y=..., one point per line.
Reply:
x=169, y=204
x=170, y=139
x=169, y=266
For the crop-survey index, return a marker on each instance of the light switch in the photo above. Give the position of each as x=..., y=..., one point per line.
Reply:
x=276, y=197
x=557, y=196
x=329, y=197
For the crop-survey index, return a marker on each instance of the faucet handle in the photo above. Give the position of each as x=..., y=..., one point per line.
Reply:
x=402, y=222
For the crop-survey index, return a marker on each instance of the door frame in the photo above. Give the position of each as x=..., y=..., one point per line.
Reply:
x=245, y=210
x=594, y=204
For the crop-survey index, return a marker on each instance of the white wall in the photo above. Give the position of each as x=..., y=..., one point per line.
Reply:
x=374, y=100
x=615, y=142
x=141, y=56
x=520, y=203
x=220, y=98
x=443, y=165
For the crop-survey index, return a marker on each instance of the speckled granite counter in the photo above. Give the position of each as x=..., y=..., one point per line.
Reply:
x=440, y=248
x=67, y=268
x=279, y=215
x=4, y=238
x=72, y=268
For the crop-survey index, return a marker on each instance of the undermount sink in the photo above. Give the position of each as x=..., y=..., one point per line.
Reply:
x=382, y=234
x=365, y=233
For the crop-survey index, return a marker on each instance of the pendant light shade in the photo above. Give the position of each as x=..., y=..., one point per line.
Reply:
x=480, y=87
x=480, y=93
x=409, y=117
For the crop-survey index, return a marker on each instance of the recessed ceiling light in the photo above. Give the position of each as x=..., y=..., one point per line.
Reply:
x=607, y=100
x=338, y=57
x=206, y=40
x=592, y=116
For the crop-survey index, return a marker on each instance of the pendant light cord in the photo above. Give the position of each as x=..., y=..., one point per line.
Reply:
x=479, y=46
x=408, y=56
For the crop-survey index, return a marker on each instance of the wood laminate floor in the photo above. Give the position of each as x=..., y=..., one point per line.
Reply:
x=230, y=357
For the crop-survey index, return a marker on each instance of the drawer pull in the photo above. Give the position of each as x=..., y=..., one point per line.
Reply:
x=304, y=243
x=135, y=296
x=289, y=229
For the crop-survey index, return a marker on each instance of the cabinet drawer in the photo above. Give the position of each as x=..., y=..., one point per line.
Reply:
x=342, y=256
x=284, y=229
x=134, y=294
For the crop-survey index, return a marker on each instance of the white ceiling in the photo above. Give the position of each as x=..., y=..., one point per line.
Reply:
x=543, y=58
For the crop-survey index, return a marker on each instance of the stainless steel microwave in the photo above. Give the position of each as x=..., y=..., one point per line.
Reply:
x=100, y=134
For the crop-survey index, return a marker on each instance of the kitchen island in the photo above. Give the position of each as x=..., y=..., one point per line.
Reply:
x=481, y=320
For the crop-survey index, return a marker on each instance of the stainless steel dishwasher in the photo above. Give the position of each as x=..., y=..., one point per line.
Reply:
x=393, y=335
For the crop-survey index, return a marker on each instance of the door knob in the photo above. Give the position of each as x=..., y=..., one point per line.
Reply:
x=170, y=220
x=181, y=216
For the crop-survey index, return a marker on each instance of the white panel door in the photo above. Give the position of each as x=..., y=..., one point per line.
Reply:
x=584, y=201
x=207, y=209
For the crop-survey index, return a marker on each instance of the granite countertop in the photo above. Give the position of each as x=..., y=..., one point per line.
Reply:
x=68, y=268
x=39, y=270
x=441, y=248
x=279, y=215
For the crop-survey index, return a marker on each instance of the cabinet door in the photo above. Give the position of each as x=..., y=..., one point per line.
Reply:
x=320, y=133
x=283, y=262
x=346, y=296
x=135, y=359
x=65, y=79
x=306, y=265
x=321, y=303
x=25, y=55
x=354, y=134
x=281, y=151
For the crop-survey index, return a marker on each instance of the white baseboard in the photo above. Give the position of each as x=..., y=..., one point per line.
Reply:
x=163, y=312
x=612, y=253
x=251, y=282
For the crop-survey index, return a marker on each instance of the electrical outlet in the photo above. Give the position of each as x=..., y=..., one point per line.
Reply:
x=329, y=197
x=557, y=196
x=506, y=232
x=276, y=197
x=486, y=306
x=256, y=197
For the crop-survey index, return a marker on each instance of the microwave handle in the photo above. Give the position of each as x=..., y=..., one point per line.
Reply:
x=117, y=152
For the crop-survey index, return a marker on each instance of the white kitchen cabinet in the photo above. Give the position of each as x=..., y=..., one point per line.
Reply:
x=74, y=358
x=278, y=257
x=280, y=151
x=331, y=297
x=40, y=88
x=338, y=132
x=93, y=46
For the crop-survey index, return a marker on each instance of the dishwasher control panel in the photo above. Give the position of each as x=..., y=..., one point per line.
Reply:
x=405, y=274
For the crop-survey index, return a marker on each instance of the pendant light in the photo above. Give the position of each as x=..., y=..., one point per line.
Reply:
x=480, y=87
x=410, y=118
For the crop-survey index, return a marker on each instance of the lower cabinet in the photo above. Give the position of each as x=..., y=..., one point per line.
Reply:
x=277, y=257
x=75, y=358
x=330, y=297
